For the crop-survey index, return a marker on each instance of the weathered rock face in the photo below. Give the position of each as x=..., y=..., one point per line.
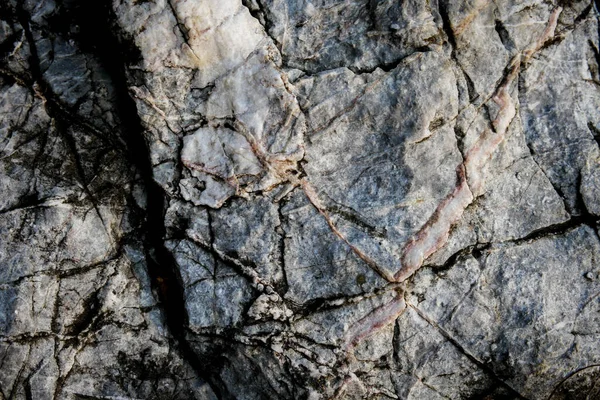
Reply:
x=293, y=199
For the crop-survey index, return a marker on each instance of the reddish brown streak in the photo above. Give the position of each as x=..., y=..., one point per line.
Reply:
x=375, y=320
x=434, y=234
x=311, y=194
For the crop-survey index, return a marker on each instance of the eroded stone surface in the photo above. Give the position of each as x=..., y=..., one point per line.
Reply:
x=299, y=199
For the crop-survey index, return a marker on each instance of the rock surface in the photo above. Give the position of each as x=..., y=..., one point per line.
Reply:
x=248, y=199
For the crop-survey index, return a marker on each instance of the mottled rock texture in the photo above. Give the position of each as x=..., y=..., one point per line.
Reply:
x=294, y=199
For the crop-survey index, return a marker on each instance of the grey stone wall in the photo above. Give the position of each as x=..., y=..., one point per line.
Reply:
x=294, y=199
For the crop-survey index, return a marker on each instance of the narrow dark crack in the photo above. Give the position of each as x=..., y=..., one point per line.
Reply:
x=53, y=109
x=473, y=95
x=568, y=376
x=584, y=14
x=392, y=65
x=246, y=268
x=467, y=353
x=280, y=231
x=320, y=304
x=475, y=250
x=561, y=35
x=182, y=28
x=211, y=243
x=451, y=39
x=30, y=200
x=256, y=9
x=353, y=217
x=91, y=307
x=40, y=88
x=557, y=189
x=446, y=24
x=505, y=38
x=558, y=229
x=27, y=388
x=562, y=228
x=521, y=91
x=593, y=130
x=79, y=164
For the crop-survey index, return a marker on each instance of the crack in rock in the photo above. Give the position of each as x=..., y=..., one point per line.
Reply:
x=246, y=199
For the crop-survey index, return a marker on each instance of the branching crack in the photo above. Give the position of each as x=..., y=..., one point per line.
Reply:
x=434, y=234
x=256, y=9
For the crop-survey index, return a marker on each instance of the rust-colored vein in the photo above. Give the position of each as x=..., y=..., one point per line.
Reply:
x=471, y=173
x=465, y=22
x=434, y=233
x=202, y=168
x=546, y=35
x=145, y=95
x=374, y=321
x=312, y=196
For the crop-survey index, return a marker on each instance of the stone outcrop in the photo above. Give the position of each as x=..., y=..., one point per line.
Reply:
x=248, y=199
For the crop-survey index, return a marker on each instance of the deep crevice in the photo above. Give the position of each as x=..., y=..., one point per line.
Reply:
x=97, y=37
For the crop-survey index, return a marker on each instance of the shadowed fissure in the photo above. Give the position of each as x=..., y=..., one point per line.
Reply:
x=96, y=36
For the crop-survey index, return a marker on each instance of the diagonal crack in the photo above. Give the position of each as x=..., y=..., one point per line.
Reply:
x=256, y=9
x=465, y=351
x=504, y=35
x=182, y=29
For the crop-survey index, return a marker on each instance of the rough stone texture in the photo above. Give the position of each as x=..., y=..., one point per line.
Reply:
x=299, y=199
